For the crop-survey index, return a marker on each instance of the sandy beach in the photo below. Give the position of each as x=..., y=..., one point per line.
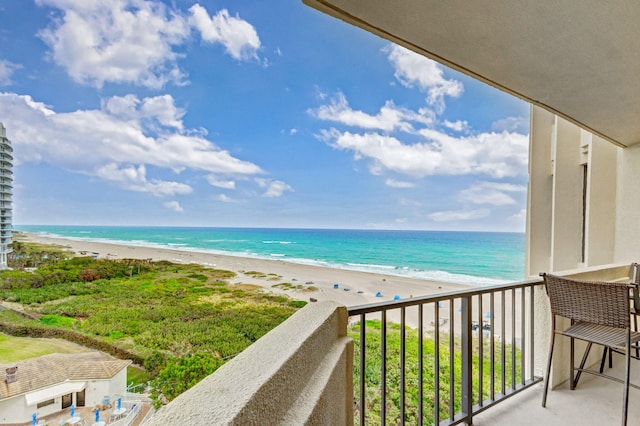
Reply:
x=354, y=287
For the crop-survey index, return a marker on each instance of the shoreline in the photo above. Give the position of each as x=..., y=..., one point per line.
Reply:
x=353, y=287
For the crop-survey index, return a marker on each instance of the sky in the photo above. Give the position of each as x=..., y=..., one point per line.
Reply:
x=247, y=113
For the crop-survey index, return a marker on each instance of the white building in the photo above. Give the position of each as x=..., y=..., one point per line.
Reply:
x=6, y=188
x=51, y=383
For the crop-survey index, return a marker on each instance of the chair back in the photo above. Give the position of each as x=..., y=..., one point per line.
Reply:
x=596, y=302
x=634, y=279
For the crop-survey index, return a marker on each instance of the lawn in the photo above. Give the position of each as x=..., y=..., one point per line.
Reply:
x=14, y=349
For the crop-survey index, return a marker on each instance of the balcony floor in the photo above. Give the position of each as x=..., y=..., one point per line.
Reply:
x=595, y=401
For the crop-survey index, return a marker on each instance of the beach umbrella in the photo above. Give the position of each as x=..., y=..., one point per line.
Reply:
x=34, y=416
x=336, y=285
x=396, y=297
x=73, y=410
x=97, y=415
x=378, y=294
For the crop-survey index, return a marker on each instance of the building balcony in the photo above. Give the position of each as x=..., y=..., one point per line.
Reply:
x=494, y=360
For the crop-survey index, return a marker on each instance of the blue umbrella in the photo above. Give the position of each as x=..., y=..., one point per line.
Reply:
x=119, y=402
x=73, y=410
x=34, y=416
x=97, y=415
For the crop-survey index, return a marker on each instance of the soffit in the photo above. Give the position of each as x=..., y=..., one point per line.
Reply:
x=578, y=59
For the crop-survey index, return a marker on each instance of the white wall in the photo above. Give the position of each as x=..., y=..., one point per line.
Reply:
x=627, y=247
x=16, y=410
x=559, y=150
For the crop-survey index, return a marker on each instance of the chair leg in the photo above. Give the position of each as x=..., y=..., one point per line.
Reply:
x=572, y=384
x=625, y=397
x=635, y=328
x=610, y=358
x=546, y=376
x=605, y=350
x=582, y=363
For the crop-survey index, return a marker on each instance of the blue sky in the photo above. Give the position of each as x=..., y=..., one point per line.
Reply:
x=247, y=113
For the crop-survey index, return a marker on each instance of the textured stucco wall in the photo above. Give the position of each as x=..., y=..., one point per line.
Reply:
x=299, y=373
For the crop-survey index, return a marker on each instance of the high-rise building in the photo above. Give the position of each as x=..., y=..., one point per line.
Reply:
x=6, y=189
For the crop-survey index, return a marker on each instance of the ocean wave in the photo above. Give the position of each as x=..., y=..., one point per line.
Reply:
x=277, y=255
x=276, y=242
x=367, y=265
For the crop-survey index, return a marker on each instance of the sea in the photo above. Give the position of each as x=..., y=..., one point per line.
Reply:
x=472, y=258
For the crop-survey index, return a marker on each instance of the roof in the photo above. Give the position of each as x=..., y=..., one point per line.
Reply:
x=50, y=370
x=577, y=59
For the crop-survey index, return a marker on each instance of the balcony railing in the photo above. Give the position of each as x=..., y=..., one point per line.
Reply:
x=452, y=356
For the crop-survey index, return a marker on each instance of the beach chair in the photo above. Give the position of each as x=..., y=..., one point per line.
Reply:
x=600, y=313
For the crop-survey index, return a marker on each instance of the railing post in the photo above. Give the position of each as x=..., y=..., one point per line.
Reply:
x=467, y=359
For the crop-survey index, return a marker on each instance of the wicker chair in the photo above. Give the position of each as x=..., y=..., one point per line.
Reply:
x=634, y=298
x=600, y=314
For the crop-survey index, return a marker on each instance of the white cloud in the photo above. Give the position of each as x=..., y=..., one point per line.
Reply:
x=457, y=215
x=390, y=117
x=155, y=112
x=293, y=131
x=135, y=179
x=399, y=184
x=221, y=183
x=518, y=220
x=274, y=188
x=173, y=205
x=6, y=71
x=107, y=142
x=412, y=69
x=491, y=193
x=119, y=41
x=408, y=202
x=239, y=37
x=224, y=198
x=458, y=126
x=136, y=41
x=511, y=124
x=493, y=154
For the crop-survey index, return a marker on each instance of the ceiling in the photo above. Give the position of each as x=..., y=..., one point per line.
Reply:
x=578, y=59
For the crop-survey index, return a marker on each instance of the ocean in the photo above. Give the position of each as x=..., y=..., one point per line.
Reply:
x=475, y=258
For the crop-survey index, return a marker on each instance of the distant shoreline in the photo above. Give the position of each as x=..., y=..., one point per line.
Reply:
x=353, y=287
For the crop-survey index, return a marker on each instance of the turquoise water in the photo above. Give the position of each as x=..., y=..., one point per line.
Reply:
x=477, y=258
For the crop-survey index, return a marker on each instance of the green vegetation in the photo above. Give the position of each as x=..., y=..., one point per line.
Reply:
x=372, y=399
x=136, y=376
x=14, y=349
x=179, y=321
x=299, y=287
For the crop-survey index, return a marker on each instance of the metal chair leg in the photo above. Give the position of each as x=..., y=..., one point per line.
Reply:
x=604, y=359
x=546, y=376
x=572, y=384
x=582, y=363
x=625, y=396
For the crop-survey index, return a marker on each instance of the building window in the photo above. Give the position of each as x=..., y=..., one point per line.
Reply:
x=67, y=400
x=45, y=403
